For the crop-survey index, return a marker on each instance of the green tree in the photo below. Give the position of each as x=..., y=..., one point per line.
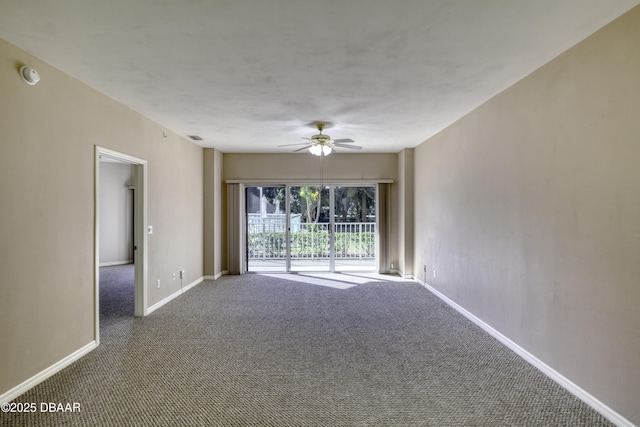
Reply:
x=312, y=200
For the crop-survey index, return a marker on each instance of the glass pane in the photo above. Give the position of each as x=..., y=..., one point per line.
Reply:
x=355, y=228
x=309, y=225
x=266, y=229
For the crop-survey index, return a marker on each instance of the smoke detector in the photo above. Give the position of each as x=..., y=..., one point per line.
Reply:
x=29, y=75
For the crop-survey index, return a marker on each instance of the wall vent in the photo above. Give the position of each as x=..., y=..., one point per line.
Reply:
x=195, y=137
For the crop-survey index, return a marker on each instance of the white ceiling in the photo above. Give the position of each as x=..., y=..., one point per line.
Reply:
x=248, y=75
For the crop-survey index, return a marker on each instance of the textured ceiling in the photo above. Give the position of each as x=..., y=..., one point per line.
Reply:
x=248, y=75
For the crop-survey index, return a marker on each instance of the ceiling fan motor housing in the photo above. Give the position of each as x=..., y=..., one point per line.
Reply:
x=320, y=138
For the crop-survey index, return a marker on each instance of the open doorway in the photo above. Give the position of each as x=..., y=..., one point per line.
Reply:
x=120, y=236
x=116, y=262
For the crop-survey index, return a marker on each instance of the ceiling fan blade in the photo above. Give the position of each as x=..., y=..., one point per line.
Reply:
x=298, y=143
x=303, y=148
x=341, y=141
x=350, y=147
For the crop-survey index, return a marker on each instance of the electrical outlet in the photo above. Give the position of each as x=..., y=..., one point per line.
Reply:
x=173, y=276
x=158, y=284
x=425, y=268
x=435, y=274
x=182, y=274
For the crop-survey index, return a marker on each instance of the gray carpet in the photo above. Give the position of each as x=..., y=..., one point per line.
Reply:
x=116, y=292
x=289, y=350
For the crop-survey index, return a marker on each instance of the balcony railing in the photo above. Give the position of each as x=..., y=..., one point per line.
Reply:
x=354, y=240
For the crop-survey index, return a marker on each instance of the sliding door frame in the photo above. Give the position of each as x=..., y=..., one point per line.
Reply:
x=287, y=226
x=236, y=214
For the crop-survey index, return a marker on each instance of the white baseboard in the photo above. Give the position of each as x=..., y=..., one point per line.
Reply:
x=574, y=389
x=112, y=263
x=53, y=369
x=192, y=284
x=174, y=295
x=397, y=272
x=216, y=276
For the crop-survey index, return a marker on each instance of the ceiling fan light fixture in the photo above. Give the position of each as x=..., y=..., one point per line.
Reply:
x=316, y=150
x=323, y=145
x=320, y=150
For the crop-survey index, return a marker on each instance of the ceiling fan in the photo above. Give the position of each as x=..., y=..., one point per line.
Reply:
x=322, y=144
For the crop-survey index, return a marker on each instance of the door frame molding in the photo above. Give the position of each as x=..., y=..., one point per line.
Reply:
x=139, y=226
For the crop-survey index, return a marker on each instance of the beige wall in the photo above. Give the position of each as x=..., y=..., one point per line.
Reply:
x=529, y=210
x=116, y=213
x=404, y=217
x=213, y=210
x=337, y=166
x=48, y=133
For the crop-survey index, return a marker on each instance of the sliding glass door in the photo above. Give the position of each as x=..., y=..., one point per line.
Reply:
x=309, y=228
x=297, y=228
x=355, y=228
x=266, y=229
